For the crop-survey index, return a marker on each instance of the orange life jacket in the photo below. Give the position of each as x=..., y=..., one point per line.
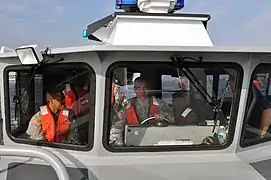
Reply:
x=113, y=94
x=70, y=98
x=131, y=116
x=54, y=132
x=121, y=97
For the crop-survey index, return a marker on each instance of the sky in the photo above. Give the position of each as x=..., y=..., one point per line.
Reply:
x=59, y=23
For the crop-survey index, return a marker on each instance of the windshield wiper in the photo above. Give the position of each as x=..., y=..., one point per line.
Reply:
x=216, y=105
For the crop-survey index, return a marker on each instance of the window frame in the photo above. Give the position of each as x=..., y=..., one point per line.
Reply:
x=92, y=96
x=257, y=141
x=107, y=108
x=15, y=85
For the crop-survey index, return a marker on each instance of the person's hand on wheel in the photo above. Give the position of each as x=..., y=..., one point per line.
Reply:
x=159, y=116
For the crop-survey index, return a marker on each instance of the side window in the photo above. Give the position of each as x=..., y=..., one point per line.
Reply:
x=171, y=107
x=52, y=105
x=256, y=127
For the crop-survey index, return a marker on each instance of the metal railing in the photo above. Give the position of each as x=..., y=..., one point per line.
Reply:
x=39, y=153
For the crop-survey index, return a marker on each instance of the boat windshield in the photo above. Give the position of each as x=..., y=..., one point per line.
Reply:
x=163, y=107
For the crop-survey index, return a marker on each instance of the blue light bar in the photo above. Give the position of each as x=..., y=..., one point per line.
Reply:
x=179, y=5
x=122, y=4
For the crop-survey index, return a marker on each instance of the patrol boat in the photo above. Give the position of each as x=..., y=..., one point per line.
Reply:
x=219, y=130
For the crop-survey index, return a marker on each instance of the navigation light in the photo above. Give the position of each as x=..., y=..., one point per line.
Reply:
x=29, y=54
x=122, y=4
x=84, y=33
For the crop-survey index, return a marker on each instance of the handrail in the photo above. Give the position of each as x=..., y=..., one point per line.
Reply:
x=39, y=153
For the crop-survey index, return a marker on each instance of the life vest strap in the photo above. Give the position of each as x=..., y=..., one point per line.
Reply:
x=43, y=110
x=65, y=112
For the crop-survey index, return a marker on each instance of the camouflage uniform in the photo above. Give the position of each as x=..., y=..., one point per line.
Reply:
x=34, y=130
x=119, y=99
x=142, y=111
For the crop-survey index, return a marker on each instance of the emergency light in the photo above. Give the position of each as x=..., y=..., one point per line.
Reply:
x=29, y=54
x=123, y=4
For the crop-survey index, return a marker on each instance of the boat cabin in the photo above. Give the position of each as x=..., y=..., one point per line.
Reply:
x=156, y=100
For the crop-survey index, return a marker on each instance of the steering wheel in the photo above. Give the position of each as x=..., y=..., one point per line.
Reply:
x=160, y=123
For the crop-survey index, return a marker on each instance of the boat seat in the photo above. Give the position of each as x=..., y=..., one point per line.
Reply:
x=181, y=103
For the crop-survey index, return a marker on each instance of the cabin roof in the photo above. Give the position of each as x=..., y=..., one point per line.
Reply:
x=98, y=48
x=105, y=22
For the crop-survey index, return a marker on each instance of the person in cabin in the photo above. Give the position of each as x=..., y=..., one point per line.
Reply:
x=76, y=96
x=139, y=109
x=265, y=105
x=52, y=122
x=77, y=99
x=118, y=99
x=257, y=84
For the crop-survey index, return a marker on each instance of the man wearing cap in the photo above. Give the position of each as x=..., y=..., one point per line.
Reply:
x=139, y=109
x=52, y=122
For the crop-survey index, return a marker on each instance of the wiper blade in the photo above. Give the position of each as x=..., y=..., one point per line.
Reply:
x=187, y=72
